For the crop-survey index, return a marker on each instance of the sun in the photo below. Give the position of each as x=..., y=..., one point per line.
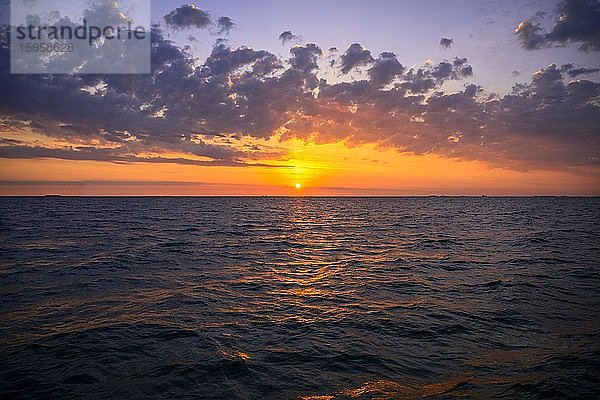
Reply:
x=298, y=185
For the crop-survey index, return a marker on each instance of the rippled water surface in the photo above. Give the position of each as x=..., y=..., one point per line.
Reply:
x=287, y=298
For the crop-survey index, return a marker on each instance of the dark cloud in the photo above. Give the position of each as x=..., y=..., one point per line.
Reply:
x=446, y=43
x=529, y=35
x=164, y=111
x=576, y=21
x=288, y=36
x=575, y=72
x=11, y=142
x=355, y=56
x=456, y=70
x=225, y=25
x=466, y=71
x=459, y=61
x=242, y=93
x=563, y=119
x=223, y=60
x=566, y=67
x=548, y=83
x=385, y=69
x=304, y=58
x=188, y=16
x=94, y=154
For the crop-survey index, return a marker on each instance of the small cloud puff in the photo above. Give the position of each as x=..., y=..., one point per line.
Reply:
x=446, y=43
x=188, y=16
x=225, y=25
x=288, y=36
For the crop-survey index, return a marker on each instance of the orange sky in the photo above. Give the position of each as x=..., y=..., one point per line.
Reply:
x=327, y=169
x=337, y=112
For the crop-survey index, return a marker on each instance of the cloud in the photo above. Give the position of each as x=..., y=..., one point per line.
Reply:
x=582, y=71
x=304, y=58
x=188, y=16
x=385, y=69
x=223, y=60
x=576, y=21
x=225, y=25
x=355, y=56
x=288, y=36
x=529, y=35
x=574, y=72
x=215, y=111
x=456, y=70
x=93, y=154
x=446, y=43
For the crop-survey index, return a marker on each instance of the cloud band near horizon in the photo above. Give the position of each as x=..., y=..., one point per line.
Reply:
x=547, y=123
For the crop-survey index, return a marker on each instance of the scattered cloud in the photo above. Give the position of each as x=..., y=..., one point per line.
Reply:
x=385, y=69
x=530, y=36
x=217, y=112
x=355, y=56
x=288, y=36
x=84, y=153
x=446, y=43
x=575, y=72
x=188, y=16
x=304, y=58
x=225, y=25
x=576, y=21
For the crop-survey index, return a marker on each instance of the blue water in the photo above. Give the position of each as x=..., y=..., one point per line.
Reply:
x=288, y=298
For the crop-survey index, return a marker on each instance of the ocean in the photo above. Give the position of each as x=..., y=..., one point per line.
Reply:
x=299, y=297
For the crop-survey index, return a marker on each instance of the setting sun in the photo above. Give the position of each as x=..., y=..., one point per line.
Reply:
x=232, y=193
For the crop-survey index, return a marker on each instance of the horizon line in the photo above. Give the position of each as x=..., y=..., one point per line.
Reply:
x=50, y=195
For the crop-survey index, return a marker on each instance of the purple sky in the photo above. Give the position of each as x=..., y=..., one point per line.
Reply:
x=510, y=84
x=483, y=31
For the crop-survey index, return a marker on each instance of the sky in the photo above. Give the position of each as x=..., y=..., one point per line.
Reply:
x=337, y=97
